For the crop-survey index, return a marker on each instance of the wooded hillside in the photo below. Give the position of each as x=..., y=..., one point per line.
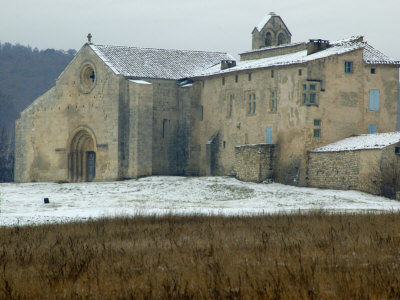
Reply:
x=25, y=74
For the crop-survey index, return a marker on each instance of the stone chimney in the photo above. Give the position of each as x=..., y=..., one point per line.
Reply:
x=314, y=46
x=226, y=64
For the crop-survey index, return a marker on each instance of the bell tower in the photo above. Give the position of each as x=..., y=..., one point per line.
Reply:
x=271, y=31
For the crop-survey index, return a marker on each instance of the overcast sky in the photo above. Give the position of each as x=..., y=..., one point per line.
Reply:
x=214, y=25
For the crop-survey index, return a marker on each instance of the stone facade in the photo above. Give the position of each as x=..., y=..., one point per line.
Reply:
x=255, y=163
x=125, y=112
x=375, y=171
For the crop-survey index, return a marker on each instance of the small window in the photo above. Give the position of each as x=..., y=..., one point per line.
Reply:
x=348, y=67
x=317, y=128
x=309, y=94
x=236, y=78
x=223, y=80
x=372, y=129
x=251, y=104
x=372, y=70
x=202, y=113
x=397, y=150
x=272, y=73
x=230, y=105
x=374, y=100
x=300, y=71
x=273, y=103
x=224, y=144
x=249, y=76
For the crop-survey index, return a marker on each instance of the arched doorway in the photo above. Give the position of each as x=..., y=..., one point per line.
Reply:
x=82, y=157
x=281, y=39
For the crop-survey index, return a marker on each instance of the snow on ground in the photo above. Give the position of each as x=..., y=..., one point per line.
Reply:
x=23, y=203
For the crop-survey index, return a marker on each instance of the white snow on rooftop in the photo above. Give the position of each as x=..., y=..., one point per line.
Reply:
x=370, y=56
x=140, y=82
x=362, y=142
x=157, y=63
x=264, y=21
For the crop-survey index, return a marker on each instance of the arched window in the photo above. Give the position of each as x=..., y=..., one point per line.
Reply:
x=281, y=39
x=268, y=39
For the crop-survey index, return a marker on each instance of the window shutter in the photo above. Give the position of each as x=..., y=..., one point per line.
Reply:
x=372, y=129
x=373, y=99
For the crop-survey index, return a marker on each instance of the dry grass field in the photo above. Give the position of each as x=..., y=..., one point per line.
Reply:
x=305, y=256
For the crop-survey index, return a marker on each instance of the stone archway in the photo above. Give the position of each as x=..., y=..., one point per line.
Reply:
x=82, y=157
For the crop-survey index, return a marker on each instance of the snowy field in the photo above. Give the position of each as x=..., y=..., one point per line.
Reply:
x=23, y=203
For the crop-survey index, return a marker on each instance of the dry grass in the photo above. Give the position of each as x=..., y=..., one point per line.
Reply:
x=313, y=256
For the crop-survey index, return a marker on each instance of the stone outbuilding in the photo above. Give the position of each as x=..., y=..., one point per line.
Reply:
x=367, y=162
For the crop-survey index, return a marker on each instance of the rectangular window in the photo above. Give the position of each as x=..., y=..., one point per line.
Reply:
x=223, y=80
x=348, y=67
x=249, y=76
x=273, y=103
x=317, y=133
x=372, y=129
x=300, y=71
x=269, y=135
x=373, y=99
x=236, y=78
x=251, y=104
x=317, y=128
x=272, y=73
x=372, y=70
x=230, y=105
x=309, y=94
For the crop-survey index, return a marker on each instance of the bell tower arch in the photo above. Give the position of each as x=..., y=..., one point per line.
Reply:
x=271, y=31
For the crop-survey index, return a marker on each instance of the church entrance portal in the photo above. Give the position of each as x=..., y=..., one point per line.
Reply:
x=82, y=157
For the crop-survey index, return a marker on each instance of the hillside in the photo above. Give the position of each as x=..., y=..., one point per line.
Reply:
x=25, y=74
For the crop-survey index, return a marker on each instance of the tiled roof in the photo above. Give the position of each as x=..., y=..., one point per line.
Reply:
x=362, y=142
x=370, y=55
x=157, y=63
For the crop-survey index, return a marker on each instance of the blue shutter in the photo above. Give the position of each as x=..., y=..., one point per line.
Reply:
x=269, y=135
x=373, y=99
x=372, y=129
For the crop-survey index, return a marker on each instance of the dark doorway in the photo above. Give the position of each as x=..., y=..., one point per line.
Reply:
x=91, y=165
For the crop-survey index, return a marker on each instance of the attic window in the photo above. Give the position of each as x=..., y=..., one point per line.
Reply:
x=372, y=70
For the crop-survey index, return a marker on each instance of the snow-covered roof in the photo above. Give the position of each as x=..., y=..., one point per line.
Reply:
x=265, y=20
x=274, y=47
x=157, y=63
x=362, y=142
x=370, y=56
x=140, y=82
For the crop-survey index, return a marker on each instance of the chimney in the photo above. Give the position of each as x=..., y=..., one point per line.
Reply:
x=226, y=64
x=317, y=45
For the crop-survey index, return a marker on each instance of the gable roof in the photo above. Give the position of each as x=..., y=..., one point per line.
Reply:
x=266, y=19
x=370, y=56
x=157, y=63
x=362, y=142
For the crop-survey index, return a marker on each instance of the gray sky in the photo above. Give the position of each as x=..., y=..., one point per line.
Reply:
x=214, y=25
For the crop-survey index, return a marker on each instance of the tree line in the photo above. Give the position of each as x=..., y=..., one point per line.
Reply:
x=25, y=74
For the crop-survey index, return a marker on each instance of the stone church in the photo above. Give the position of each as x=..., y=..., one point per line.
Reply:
x=125, y=112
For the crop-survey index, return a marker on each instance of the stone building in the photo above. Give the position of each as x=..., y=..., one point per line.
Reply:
x=368, y=163
x=124, y=112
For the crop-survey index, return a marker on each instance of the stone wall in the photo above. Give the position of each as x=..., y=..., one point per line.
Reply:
x=333, y=170
x=255, y=162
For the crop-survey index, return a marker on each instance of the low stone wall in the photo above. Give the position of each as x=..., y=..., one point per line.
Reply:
x=255, y=162
x=334, y=170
